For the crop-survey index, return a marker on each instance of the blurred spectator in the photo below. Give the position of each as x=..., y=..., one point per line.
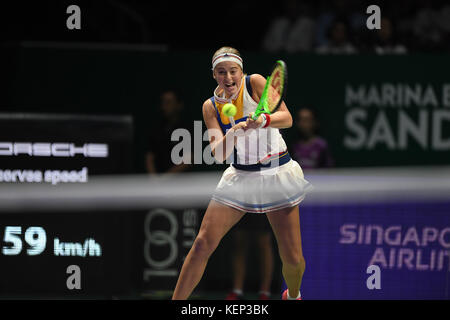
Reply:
x=444, y=17
x=385, y=40
x=158, y=156
x=339, y=40
x=444, y=23
x=310, y=150
x=328, y=11
x=427, y=28
x=293, y=31
x=250, y=229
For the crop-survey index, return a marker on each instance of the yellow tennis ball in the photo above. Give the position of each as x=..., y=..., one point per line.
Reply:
x=229, y=110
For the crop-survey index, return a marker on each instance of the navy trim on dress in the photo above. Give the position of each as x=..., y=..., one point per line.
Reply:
x=248, y=86
x=283, y=159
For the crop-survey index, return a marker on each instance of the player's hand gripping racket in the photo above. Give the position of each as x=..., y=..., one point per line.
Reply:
x=274, y=90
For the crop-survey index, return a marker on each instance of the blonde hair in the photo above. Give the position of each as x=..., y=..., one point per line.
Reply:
x=226, y=50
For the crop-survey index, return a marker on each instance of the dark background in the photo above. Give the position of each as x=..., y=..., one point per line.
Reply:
x=196, y=25
x=128, y=51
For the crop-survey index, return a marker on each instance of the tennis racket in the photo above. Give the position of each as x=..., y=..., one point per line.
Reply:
x=274, y=90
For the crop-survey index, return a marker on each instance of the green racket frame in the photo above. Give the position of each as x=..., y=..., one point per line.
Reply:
x=263, y=105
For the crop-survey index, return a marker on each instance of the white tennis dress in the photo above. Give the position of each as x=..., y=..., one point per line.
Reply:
x=262, y=177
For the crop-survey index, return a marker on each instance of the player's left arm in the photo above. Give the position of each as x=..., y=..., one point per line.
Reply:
x=281, y=118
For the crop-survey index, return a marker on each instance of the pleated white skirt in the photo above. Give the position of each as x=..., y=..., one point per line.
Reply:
x=262, y=191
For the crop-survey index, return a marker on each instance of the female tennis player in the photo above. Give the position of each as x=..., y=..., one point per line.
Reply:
x=262, y=179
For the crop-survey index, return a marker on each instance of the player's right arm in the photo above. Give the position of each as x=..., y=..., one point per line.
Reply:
x=221, y=145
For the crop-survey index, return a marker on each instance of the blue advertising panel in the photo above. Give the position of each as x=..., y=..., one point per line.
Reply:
x=409, y=242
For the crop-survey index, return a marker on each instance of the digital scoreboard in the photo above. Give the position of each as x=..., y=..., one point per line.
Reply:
x=54, y=254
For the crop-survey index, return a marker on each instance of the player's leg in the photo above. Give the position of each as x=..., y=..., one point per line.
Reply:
x=286, y=227
x=217, y=221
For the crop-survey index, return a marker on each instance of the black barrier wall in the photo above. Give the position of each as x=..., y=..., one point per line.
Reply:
x=64, y=253
x=167, y=238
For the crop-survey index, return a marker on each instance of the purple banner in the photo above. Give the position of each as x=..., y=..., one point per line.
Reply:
x=409, y=242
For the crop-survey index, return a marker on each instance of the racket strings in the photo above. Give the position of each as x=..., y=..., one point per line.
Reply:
x=275, y=88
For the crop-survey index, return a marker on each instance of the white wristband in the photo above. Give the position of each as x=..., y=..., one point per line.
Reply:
x=264, y=120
